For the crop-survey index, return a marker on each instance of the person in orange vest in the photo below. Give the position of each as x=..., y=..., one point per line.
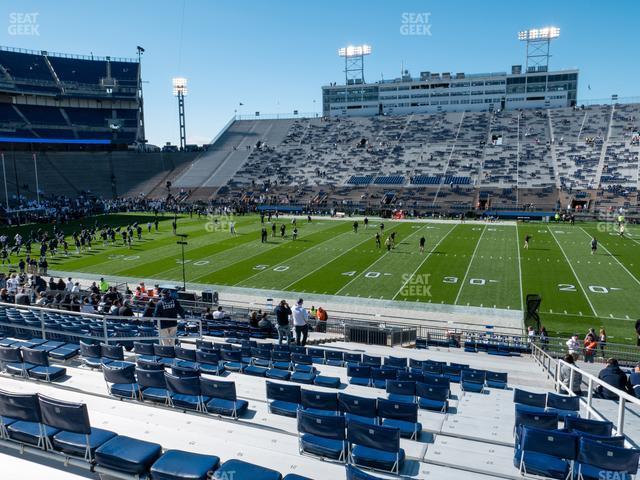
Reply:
x=321, y=315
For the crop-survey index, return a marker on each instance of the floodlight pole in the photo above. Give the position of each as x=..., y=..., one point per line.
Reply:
x=182, y=243
x=4, y=176
x=183, y=131
x=35, y=166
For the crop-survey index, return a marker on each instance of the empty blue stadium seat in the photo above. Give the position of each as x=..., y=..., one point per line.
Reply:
x=209, y=362
x=322, y=435
x=472, y=380
x=379, y=376
x=25, y=424
x=180, y=465
x=240, y=470
x=121, y=381
x=538, y=419
x=319, y=403
x=496, y=379
x=545, y=453
x=401, y=391
x=592, y=427
x=361, y=409
x=223, y=398
x=129, y=455
x=12, y=362
x=352, y=358
x=432, y=397
x=184, y=392
x=152, y=385
x=597, y=461
x=563, y=405
x=41, y=369
x=401, y=415
x=359, y=375
x=375, y=446
x=283, y=399
x=531, y=399
x=278, y=374
x=326, y=381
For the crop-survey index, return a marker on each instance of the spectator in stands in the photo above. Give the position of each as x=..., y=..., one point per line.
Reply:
x=69, y=286
x=590, y=349
x=149, y=309
x=591, y=335
x=125, y=310
x=322, y=317
x=207, y=315
x=283, y=311
x=638, y=331
x=574, y=384
x=602, y=340
x=168, y=308
x=573, y=345
x=614, y=376
x=634, y=380
x=4, y=295
x=87, y=307
x=61, y=284
x=300, y=318
x=22, y=297
x=104, y=285
x=264, y=323
x=219, y=314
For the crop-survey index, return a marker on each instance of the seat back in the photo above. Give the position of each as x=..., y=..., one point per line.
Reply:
x=143, y=348
x=401, y=387
x=119, y=374
x=529, y=398
x=432, y=367
x=10, y=355
x=334, y=355
x=352, y=357
x=473, y=376
x=384, y=373
x=398, y=410
x=410, y=377
x=183, y=385
x=279, y=356
x=396, y=362
x=315, y=352
x=164, y=351
x=592, y=427
x=204, y=344
x=497, y=376
x=187, y=354
x=301, y=358
x=374, y=436
x=67, y=416
x=608, y=458
x=359, y=371
x=554, y=443
x=451, y=369
x=112, y=352
x=179, y=371
x=149, y=365
x=283, y=392
x=20, y=406
x=371, y=360
x=88, y=350
x=440, y=380
x=209, y=358
x=231, y=355
x=150, y=378
x=261, y=353
x=362, y=406
x=35, y=357
x=321, y=425
x=319, y=400
x=413, y=363
x=432, y=392
x=563, y=402
x=218, y=389
x=542, y=420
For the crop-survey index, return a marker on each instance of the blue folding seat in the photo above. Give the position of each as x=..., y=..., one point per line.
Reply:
x=152, y=385
x=297, y=349
x=354, y=473
x=326, y=381
x=303, y=377
x=359, y=375
x=319, y=403
x=453, y=372
x=371, y=360
x=563, y=405
x=232, y=360
x=41, y=369
x=281, y=360
x=278, y=374
x=76, y=436
x=181, y=465
x=417, y=364
x=209, y=362
x=255, y=371
x=184, y=392
x=432, y=397
x=545, y=453
x=303, y=363
x=149, y=364
x=261, y=357
x=201, y=344
x=281, y=348
x=530, y=399
x=592, y=427
x=65, y=351
x=472, y=380
x=128, y=455
x=401, y=415
x=223, y=398
x=401, y=391
x=597, y=461
x=497, y=379
x=379, y=376
x=352, y=358
x=439, y=380
x=334, y=358
x=144, y=351
x=374, y=446
x=421, y=343
x=180, y=371
x=113, y=355
x=92, y=355
x=361, y=409
x=283, y=399
x=395, y=362
x=410, y=376
x=430, y=366
x=185, y=357
x=121, y=381
x=322, y=435
x=12, y=362
x=165, y=353
x=470, y=346
x=538, y=419
x=240, y=470
x=22, y=419
x=317, y=354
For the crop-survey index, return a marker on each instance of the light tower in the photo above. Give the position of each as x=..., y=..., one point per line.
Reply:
x=180, y=91
x=538, y=47
x=354, y=62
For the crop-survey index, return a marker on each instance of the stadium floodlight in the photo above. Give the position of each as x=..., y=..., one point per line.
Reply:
x=546, y=33
x=179, y=86
x=355, y=51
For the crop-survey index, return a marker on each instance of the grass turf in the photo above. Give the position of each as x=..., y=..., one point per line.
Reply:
x=463, y=264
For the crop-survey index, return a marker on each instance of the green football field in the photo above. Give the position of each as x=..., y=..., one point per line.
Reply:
x=463, y=264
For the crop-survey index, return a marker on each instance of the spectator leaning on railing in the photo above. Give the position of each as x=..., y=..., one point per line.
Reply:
x=574, y=384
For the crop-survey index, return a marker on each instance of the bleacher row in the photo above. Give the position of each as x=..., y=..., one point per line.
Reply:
x=583, y=448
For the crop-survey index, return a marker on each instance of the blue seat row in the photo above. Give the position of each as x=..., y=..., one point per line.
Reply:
x=562, y=405
x=29, y=363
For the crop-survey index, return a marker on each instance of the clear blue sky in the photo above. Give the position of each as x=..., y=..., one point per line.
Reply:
x=273, y=55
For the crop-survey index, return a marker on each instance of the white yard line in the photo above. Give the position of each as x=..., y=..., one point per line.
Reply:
x=372, y=264
x=519, y=268
x=613, y=256
x=423, y=261
x=584, y=292
x=464, y=280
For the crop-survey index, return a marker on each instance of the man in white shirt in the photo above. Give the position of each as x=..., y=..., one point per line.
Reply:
x=75, y=288
x=300, y=318
x=69, y=286
x=12, y=284
x=219, y=314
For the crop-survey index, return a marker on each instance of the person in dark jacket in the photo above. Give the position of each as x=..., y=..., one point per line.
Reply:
x=283, y=311
x=638, y=332
x=168, y=307
x=614, y=376
x=634, y=380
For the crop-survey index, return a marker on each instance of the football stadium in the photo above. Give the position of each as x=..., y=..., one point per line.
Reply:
x=394, y=276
